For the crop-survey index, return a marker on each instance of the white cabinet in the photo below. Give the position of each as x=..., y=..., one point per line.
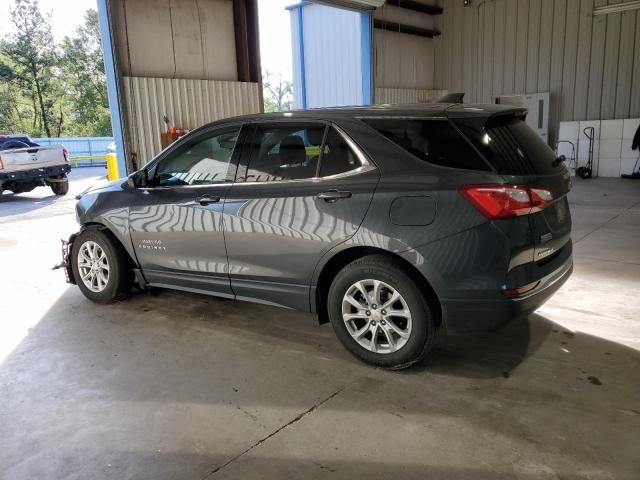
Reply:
x=537, y=105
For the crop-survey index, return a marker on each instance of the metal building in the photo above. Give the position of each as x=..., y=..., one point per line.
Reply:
x=332, y=60
x=485, y=48
x=193, y=60
x=585, y=53
x=351, y=52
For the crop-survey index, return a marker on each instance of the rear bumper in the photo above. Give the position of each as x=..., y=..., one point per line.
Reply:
x=482, y=315
x=34, y=174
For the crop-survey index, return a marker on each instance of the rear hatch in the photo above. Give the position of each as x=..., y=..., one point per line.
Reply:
x=522, y=158
x=19, y=159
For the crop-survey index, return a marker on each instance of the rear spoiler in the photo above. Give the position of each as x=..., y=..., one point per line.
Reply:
x=451, y=98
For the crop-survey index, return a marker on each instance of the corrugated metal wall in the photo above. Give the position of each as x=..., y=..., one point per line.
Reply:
x=333, y=56
x=296, y=57
x=589, y=64
x=407, y=95
x=402, y=60
x=188, y=103
x=175, y=38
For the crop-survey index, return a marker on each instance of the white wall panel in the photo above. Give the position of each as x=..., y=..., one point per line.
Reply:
x=332, y=56
x=612, y=154
x=188, y=103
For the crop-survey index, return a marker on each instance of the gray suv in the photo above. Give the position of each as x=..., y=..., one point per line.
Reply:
x=390, y=222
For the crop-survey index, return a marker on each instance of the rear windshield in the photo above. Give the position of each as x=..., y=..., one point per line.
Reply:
x=434, y=141
x=13, y=142
x=510, y=145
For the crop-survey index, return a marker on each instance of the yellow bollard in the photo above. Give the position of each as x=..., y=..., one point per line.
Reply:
x=112, y=166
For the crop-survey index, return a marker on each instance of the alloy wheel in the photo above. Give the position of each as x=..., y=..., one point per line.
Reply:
x=376, y=316
x=93, y=266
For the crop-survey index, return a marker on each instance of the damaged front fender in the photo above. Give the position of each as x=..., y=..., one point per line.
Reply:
x=67, y=245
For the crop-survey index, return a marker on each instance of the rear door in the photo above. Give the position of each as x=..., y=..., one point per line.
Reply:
x=176, y=222
x=302, y=188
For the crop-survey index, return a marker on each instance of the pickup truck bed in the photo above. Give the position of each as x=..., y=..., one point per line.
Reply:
x=23, y=169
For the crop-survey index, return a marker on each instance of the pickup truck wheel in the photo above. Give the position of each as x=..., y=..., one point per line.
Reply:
x=60, y=188
x=100, y=267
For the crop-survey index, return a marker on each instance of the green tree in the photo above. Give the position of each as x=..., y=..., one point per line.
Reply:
x=84, y=78
x=30, y=64
x=9, y=98
x=277, y=93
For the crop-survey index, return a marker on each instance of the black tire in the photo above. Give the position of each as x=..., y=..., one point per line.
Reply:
x=391, y=272
x=60, y=188
x=120, y=279
x=583, y=172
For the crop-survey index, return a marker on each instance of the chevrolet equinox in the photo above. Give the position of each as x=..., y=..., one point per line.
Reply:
x=391, y=222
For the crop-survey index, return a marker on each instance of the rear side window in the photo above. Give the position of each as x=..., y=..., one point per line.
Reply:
x=284, y=152
x=434, y=141
x=510, y=145
x=293, y=151
x=337, y=157
x=16, y=142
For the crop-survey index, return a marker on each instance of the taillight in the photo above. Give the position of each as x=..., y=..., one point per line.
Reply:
x=504, y=201
x=66, y=154
x=540, y=198
x=1, y=164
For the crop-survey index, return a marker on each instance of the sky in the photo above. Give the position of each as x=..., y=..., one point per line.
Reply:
x=66, y=15
x=275, y=36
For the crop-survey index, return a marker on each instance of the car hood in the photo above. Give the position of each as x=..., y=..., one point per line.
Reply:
x=113, y=186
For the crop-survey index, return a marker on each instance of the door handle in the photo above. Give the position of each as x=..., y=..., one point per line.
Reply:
x=333, y=195
x=207, y=199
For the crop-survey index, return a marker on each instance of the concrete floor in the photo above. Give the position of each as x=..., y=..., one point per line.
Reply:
x=189, y=387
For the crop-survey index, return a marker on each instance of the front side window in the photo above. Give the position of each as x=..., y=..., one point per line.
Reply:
x=205, y=160
x=434, y=141
x=285, y=152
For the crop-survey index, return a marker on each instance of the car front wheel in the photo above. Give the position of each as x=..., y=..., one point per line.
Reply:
x=100, y=267
x=379, y=314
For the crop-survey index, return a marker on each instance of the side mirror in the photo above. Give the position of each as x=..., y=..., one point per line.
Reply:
x=138, y=179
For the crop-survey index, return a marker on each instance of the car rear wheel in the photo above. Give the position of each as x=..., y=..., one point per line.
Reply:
x=60, y=187
x=100, y=267
x=379, y=314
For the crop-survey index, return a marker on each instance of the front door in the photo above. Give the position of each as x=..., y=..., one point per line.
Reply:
x=176, y=223
x=301, y=190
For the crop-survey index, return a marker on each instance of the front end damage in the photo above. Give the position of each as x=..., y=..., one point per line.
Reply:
x=67, y=245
